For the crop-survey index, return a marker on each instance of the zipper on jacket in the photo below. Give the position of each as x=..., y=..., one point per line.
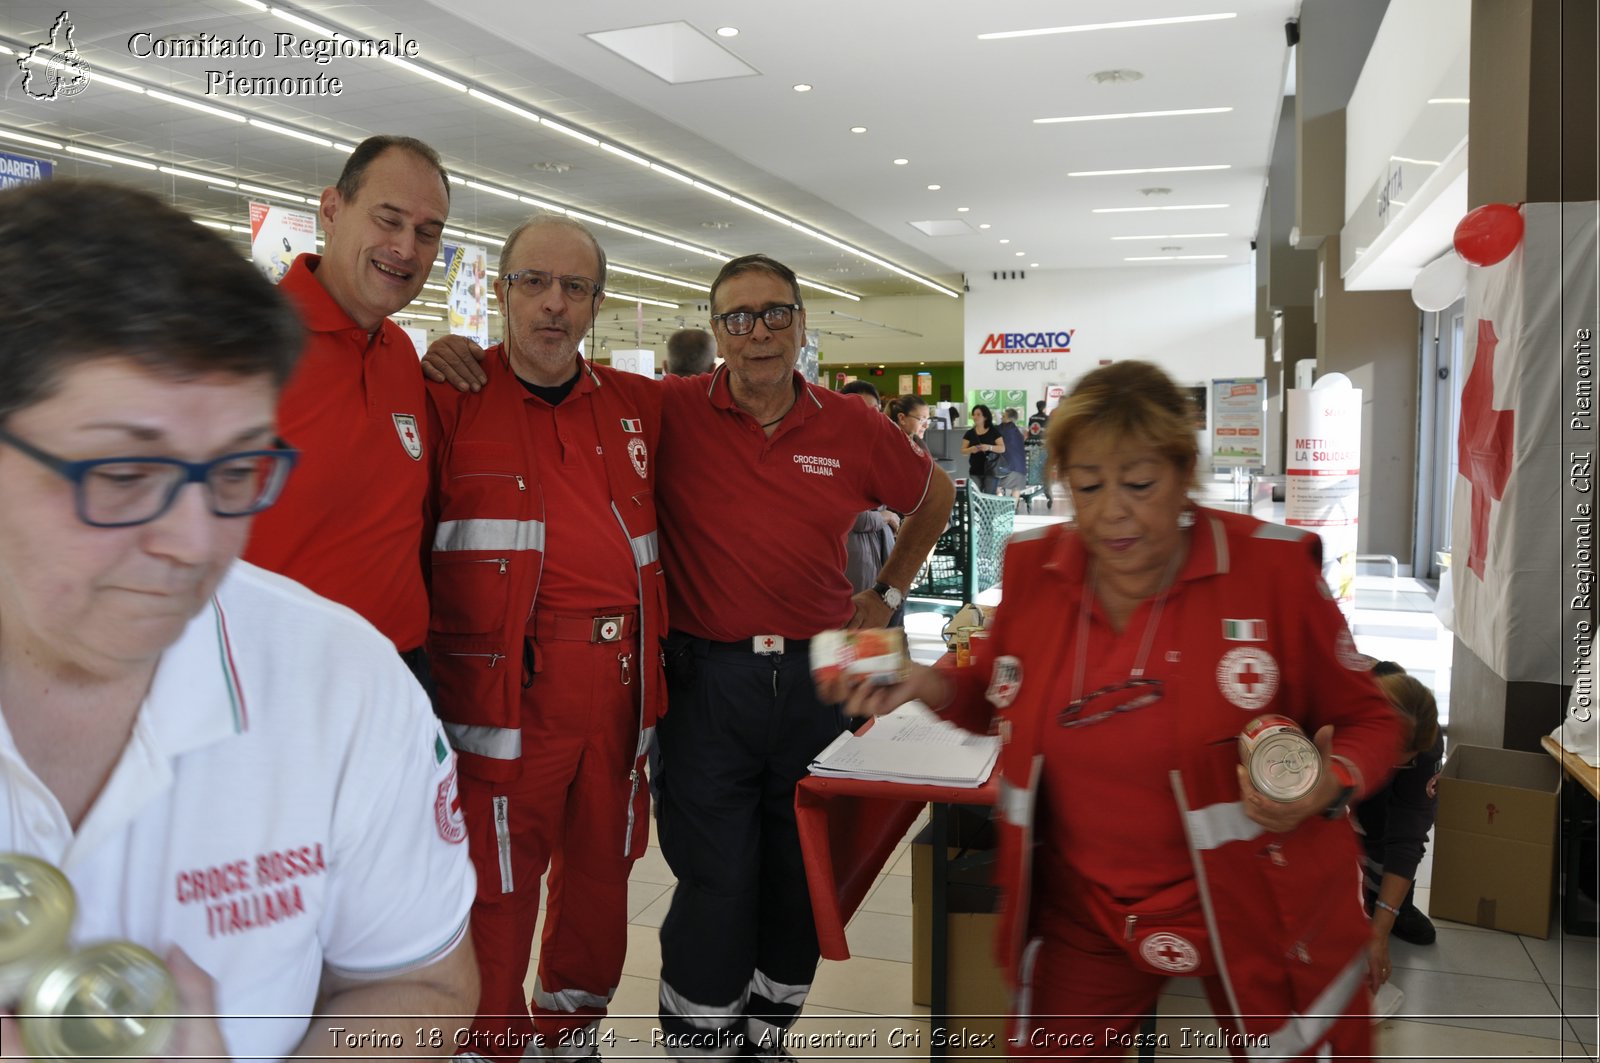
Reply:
x=503, y=562
x=521, y=484
x=633, y=791
x=494, y=658
x=502, y=838
x=1128, y=923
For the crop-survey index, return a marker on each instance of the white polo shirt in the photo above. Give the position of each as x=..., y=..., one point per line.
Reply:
x=286, y=800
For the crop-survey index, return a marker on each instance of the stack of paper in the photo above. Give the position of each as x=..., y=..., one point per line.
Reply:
x=910, y=747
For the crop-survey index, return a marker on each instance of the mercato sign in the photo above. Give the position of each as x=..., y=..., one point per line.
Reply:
x=1057, y=342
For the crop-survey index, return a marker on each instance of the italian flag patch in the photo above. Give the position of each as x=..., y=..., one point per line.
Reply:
x=632, y=426
x=1244, y=630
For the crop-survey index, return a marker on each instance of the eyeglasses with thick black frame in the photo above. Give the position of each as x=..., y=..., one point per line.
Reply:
x=537, y=281
x=1148, y=692
x=743, y=322
x=123, y=492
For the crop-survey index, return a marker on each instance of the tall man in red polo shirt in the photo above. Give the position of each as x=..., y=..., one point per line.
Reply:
x=349, y=524
x=759, y=478
x=545, y=640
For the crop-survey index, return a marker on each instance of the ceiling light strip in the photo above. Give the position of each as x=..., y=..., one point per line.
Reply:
x=1147, y=169
x=1090, y=27
x=25, y=138
x=1146, y=210
x=1180, y=112
x=193, y=105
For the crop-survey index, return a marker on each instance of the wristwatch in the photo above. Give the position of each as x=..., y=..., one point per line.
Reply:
x=891, y=595
x=1347, y=788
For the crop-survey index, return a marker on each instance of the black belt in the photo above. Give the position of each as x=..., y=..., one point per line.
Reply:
x=756, y=645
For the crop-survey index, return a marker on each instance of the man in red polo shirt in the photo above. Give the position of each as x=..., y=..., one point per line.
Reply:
x=738, y=947
x=349, y=524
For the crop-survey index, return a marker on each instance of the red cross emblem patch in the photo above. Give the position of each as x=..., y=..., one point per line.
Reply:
x=1248, y=677
x=406, y=425
x=1004, y=682
x=447, y=810
x=1169, y=952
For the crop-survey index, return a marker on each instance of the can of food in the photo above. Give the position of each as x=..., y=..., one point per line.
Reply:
x=37, y=906
x=843, y=660
x=1283, y=763
x=112, y=1001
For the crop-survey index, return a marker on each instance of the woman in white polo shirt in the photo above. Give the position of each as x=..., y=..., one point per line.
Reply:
x=231, y=771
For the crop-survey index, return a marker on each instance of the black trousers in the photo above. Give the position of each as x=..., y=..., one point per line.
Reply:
x=738, y=946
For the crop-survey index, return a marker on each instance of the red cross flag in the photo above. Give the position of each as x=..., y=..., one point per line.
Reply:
x=1508, y=551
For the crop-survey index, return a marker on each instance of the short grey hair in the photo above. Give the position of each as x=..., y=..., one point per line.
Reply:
x=561, y=221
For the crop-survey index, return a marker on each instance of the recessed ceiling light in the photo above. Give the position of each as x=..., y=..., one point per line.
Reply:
x=1021, y=253
x=1033, y=265
x=858, y=129
x=1132, y=114
x=1091, y=26
x=727, y=31
x=1150, y=169
x=962, y=210
x=983, y=225
x=802, y=88
x=1450, y=99
x=901, y=162
x=1006, y=240
x=934, y=188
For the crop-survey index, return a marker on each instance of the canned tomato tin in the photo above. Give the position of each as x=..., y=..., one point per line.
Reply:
x=109, y=1001
x=1283, y=763
x=37, y=906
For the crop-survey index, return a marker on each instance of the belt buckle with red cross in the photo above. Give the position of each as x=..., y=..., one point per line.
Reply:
x=772, y=644
x=606, y=629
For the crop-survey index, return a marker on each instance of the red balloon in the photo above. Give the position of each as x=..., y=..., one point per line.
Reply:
x=1489, y=233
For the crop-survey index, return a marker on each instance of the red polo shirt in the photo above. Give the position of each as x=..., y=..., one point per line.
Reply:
x=754, y=527
x=349, y=524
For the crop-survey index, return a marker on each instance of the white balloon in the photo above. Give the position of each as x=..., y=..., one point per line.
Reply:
x=1440, y=283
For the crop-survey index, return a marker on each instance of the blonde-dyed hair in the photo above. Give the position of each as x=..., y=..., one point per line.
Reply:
x=1416, y=703
x=1125, y=401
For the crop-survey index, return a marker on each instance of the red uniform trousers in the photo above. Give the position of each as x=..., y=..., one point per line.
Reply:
x=568, y=810
x=1089, y=994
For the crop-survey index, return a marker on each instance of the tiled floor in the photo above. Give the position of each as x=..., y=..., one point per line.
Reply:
x=1473, y=995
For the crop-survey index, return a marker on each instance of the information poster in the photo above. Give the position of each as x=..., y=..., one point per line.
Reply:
x=23, y=170
x=277, y=235
x=905, y=384
x=466, y=275
x=1238, y=423
x=1324, y=476
x=924, y=384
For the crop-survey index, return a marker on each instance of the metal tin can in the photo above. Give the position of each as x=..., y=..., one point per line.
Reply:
x=37, y=906
x=112, y=1001
x=1283, y=763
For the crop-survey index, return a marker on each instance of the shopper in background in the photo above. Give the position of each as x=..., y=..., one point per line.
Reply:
x=1128, y=652
x=1014, y=459
x=1394, y=823
x=690, y=352
x=349, y=525
x=548, y=615
x=229, y=770
x=911, y=414
x=1037, y=420
x=983, y=446
x=871, y=538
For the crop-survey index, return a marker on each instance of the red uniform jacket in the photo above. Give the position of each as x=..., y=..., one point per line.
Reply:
x=1282, y=911
x=485, y=536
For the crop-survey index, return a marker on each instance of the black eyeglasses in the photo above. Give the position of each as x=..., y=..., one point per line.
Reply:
x=743, y=322
x=121, y=492
x=536, y=281
x=1148, y=692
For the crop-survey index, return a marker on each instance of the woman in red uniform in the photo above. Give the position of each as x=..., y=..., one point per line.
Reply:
x=1130, y=649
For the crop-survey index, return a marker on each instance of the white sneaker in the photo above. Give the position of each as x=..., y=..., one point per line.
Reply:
x=1386, y=1001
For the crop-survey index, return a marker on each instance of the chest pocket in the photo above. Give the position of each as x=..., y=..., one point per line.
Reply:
x=483, y=540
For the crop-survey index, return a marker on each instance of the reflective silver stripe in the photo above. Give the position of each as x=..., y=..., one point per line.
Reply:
x=498, y=743
x=647, y=738
x=1016, y=802
x=1028, y=534
x=1219, y=538
x=777, y=992
x=502, y=840
x=1279, y=531
x=646, y=548
x=701, y=1016
x=1204, y=882
x=569, y=1000
x=1300, y=1033
x=479, y=534
x=1216, y=825
x=1022, y=998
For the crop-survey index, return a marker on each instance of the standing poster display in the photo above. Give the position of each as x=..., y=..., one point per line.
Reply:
x=466, y=274
x=277, y=235
x=1238, y=423
x=1324, y=476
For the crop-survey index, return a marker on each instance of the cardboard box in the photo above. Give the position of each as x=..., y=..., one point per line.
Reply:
x=1494, y=841
x=978, y=1000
